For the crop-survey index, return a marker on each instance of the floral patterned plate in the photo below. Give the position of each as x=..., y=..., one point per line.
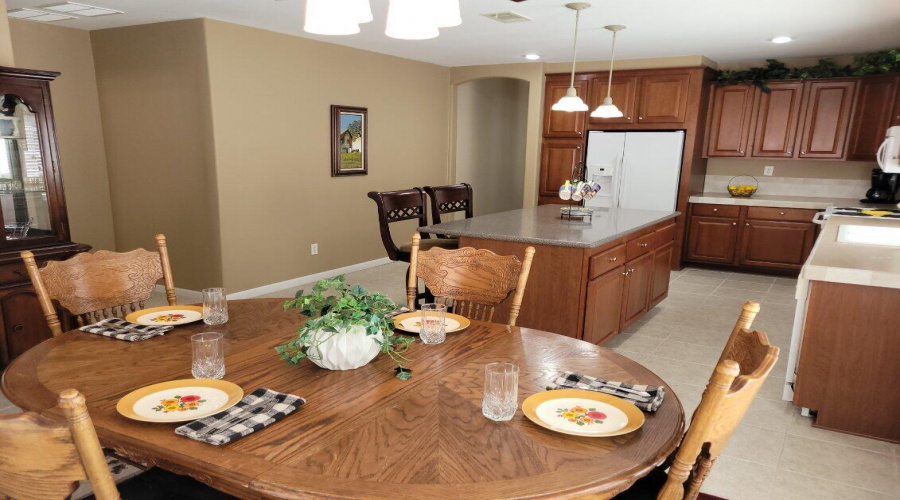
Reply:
x=179, y=400
x=166, y=315
x=582, y=413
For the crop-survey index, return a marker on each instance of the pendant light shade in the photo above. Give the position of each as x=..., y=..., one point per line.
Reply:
x=447, y=13
x=360, y=10
x=411, y=20
x=571, y=102
x=608, y=109
x=330, y=17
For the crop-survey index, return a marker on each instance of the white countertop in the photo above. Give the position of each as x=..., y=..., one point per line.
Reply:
x=779, y=201
x=850, y=263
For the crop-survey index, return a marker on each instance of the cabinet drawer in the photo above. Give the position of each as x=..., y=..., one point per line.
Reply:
x=607, y=260
x=716, y=210
x=664, y=235
x=787, y=214
x=13, y=273
x=640, y=246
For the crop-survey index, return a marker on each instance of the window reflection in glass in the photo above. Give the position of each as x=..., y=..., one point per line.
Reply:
x=23, y=194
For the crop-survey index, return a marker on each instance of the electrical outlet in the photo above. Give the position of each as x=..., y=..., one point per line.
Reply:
x=769, y=171
x=314, y=249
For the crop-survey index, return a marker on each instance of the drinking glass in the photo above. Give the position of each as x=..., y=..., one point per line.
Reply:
x=433, y=330
x=501, y=391
x=208, y=359
x=215, y=306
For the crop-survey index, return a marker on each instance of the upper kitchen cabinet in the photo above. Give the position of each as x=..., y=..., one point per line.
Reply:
x=558, y=157
x=563, y=123
x=874, y=113
x=663, y=97
x=777, y=118
x=729, y=120
x=826, y=117
x=623, y=94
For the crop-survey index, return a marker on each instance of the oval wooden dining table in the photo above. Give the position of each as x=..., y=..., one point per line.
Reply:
x=362, y=433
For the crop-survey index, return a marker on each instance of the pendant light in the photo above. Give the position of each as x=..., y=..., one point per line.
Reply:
x=411, y=20
x=447, y=13
x=328, y=17
x=608, y=109
x=571, y=102
x=360, y=10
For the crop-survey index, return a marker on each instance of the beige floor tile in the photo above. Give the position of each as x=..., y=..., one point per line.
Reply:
x=678, y=371
x=737, y=479
x=785, y=281
x=852, y=466
x=769, y=414
x=802, y=426
x=635, y=343
x=634, y=356
x=785, y=291
x=646, y=329
x=699, y=279
x=754, y=278
x=694, y=353
x=755, y=444
x=684, y=287
x=708, y=338
x=696, y=271
x=746, y=285
x=793, y=486
x=739, y=293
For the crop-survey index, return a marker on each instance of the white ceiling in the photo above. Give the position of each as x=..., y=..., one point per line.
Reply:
x=723, y=30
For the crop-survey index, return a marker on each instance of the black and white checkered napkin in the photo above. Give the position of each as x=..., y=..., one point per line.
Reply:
x=118, y=328
x=255, y=411
x=570, y=380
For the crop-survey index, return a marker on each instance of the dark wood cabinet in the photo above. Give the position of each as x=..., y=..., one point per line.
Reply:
x=776, y=243
x=730, y=120
x=712, y=239
x=777, y=119
x=603, y=306
x=873, y=114
x=32, y=205
x=637, y=288
x=623, y=94
x=662, y=272
x=826, y=117
x=663, y=97
x=563, y=123
x=557, y=159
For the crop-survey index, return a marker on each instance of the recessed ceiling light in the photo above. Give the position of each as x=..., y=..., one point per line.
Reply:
x=781, y=39
x=532, y=57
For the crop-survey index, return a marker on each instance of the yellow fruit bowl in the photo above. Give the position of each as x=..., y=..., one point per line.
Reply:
x=743, y=186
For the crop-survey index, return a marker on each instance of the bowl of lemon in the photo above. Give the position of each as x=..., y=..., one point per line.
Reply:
x=743, y=186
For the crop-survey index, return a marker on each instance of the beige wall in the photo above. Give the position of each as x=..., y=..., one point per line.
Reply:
x=271, y=97
x=491, y=131
x=6, y=49
x=154, y=100
x=813, y=169
x=623, y=64
x=79, y=133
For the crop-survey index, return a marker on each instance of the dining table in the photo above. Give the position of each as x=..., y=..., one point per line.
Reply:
x=362, y=433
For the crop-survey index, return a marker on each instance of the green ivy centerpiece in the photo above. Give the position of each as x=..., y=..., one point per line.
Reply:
x=346, y=329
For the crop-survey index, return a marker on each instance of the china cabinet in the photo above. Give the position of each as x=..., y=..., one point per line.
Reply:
x=32, y=204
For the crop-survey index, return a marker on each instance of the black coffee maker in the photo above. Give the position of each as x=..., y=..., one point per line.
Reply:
x=884, y=187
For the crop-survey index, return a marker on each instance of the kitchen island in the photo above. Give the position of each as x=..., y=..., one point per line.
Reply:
x=591, y=277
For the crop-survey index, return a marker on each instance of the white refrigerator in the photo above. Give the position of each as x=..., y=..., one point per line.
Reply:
x=635, y=169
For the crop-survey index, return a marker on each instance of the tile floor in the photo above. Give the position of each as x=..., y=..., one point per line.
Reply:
x=775, y=453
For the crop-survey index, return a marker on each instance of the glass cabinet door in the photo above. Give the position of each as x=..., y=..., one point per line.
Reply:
x=24, y=199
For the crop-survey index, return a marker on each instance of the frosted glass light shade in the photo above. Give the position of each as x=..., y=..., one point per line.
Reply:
x=411, y=20
x=328, y=17
x=607, y=110
x=570, y=102
x=360, y=10
x=447, y=13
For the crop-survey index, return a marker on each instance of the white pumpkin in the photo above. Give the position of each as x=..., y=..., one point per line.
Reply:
x=347, y=349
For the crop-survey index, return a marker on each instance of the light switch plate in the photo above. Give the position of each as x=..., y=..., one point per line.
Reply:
x=769, y=171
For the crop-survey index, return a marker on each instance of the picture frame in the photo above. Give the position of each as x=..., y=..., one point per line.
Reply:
x=349, y=140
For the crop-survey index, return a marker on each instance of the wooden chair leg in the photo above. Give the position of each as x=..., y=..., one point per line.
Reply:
x=704, y=464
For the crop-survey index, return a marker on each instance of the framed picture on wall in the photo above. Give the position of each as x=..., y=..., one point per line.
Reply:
x=349, y=141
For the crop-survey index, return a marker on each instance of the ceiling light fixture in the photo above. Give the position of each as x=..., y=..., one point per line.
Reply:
x=38, y=15
x=80, y=9
x=571, y=102
x=608, y=109
x=532, y=57
x=410, y=20
x=781, y=39
x=447, y=13
x=361, y=10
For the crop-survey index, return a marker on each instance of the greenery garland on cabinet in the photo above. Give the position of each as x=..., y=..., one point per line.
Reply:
x=874, y=63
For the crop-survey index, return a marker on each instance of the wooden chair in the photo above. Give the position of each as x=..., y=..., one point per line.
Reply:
x=40, y=459
x=449, y=199
x=100, y=285
x=471, y=282
x=745, y=365
x=397, y=206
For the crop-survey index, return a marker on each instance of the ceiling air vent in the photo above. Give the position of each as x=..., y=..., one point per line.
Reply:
x=508, y=17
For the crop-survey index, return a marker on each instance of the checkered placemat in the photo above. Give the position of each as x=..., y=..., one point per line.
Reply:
x=648, y=403
x=118, y=328
x=255, y=411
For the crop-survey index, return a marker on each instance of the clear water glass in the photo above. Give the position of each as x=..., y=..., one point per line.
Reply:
x=433, y=329
x=208, y=355
x=501, y=391
x=215, y=306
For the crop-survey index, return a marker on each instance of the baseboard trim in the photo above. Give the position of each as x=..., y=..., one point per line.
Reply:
x=274, y=287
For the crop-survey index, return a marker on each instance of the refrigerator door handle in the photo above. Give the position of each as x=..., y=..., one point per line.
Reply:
x=621, y=177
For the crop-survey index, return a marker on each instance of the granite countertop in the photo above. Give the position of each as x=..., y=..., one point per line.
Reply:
x=851, y=263
x=779, y=201
x=543, y=226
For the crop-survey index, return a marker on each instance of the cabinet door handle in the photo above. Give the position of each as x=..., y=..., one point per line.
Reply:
x=803, y=152
x=630, y=117
x=715, y=210
x=625, y=273
x=613, y=259
x=780, y=213
x=643, y=245
x=788, y=151
x=631, y=270
x=747, y=224
x=734, y=223
x=18, y=328
x=640, y=118
x=742, y=151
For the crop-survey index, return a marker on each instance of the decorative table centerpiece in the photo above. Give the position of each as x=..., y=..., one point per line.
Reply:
x=346, y=329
